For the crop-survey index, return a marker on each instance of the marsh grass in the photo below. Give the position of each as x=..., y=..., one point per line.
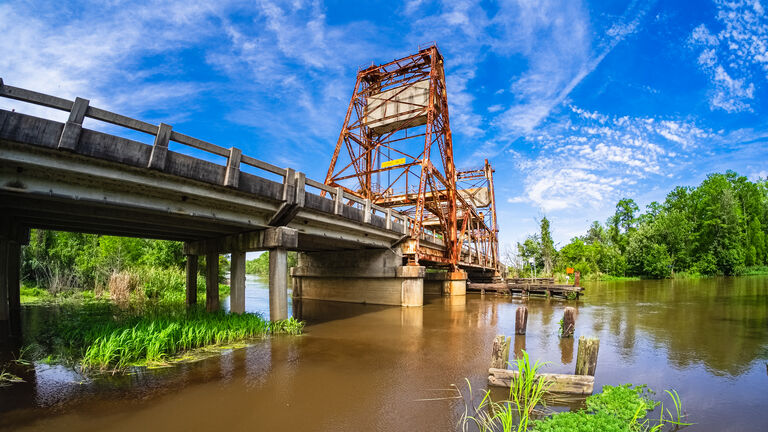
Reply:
x=7, y=378
x=152, y=338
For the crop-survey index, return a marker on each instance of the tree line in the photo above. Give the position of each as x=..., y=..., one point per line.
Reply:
x=260, y=265
x=65, y=261
x=719, y=227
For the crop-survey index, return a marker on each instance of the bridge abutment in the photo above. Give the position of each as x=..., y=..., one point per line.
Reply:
x=374, y=276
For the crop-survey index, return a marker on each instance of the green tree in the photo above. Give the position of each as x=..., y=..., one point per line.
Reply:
x=547, y=247
x=626, y=211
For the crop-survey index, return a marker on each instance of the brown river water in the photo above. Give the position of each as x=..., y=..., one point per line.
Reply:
x=365, y=367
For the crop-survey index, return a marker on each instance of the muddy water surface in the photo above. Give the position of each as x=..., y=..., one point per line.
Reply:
x=364, y=367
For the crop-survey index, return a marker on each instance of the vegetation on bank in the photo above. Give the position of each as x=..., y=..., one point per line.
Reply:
x=65, y=263
x=120, y=302
x=623, y=408
x=717, y=228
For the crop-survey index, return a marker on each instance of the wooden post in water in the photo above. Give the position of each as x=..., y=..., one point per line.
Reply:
x=586, y=358
x=577, y=279
x=521, y=320
x=500, y=354
x=569, y=322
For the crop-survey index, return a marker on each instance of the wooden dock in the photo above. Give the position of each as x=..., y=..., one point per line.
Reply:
x=528, y=287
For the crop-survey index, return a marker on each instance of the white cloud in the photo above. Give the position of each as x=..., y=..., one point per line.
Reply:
x=731, y=56
x=86, y=51
x=587, y=159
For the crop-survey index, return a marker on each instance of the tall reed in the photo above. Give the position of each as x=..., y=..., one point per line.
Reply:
x=525, y=393
x=151, y=338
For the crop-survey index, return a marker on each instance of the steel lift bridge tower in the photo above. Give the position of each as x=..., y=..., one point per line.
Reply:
x=395, y=149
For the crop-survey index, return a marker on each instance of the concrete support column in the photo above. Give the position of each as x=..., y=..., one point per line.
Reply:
x=278, y=240
x=278, y=284
x=455, y=283
x=411, y=285
x=237, y=283
x=14, y=287
x=10, y=300
x=446, y=283
x=191, y=280
x=4, y=311
x=212, y=279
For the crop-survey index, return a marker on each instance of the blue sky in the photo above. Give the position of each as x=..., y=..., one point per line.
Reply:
x=577, y=104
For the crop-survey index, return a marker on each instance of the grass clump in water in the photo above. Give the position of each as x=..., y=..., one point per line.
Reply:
x=153, y=337
x=622, y=408
x=525, y=393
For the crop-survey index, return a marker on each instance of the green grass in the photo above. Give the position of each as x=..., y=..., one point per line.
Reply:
x=158, y=285
x=622, y=408
x=33, y=294
x=756, y=271
x=156, y=336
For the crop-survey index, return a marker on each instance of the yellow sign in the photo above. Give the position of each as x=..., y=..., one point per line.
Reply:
x=393, y=162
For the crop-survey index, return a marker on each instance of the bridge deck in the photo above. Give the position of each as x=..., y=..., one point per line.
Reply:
x=63, y=176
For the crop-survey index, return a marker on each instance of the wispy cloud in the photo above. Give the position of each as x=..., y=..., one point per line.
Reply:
x=731, y=56
x=588, y=158
x=557, y=40
x=79, y=50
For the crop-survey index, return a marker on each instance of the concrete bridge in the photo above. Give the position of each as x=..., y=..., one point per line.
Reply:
x=63, y=176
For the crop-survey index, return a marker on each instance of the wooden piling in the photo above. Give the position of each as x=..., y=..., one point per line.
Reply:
x=569, y=322
x=500, y=354
x=521, y=320
x=519, y=346
x=586, y=358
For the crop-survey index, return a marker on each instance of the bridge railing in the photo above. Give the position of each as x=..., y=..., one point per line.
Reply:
x=80, y=108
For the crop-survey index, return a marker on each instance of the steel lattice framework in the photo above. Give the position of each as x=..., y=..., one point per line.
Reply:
x=395, y=148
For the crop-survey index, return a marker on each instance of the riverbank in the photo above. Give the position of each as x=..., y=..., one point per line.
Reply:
x=603, y=277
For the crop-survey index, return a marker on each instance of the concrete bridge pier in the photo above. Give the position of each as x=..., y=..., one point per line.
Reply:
x=278, y=284
x=12, y=237
x=191, y=288
x=237, y=282
x=277, y=241
x=446, y=283
x=375, y=276
x=211, y=277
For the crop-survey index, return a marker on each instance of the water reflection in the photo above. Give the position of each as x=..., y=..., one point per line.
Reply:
x=367, y=367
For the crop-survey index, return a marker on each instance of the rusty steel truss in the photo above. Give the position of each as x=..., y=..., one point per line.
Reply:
x=395, y=149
